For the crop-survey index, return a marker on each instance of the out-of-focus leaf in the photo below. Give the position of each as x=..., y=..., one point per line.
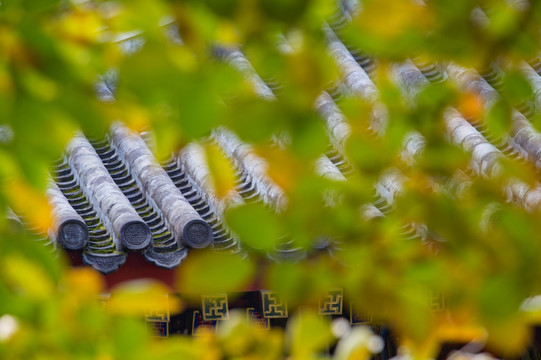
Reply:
x=41, y=7
x=179, y=346
x=130, y=339
x=284, y=10
x=308, y=138
x=414, y=318
x=308, y=333
x=471, y=106
x=435, y=97
x=84, y=283
x=450, y=331
x=221, y=170
x=401, y=23
x=54, y=52
x=239, y=337
x=169, y=138
x=237, y=333
x=294, y=283
x=498, y=119
x=227, y=34
x=516, y=88
x=139, y=119
x=27, y=277
x=309, y=70
x=509, y=337
x=504, y=19
x=284, y=168
x=198, y=105
x=370, y=156
x=30, y=203
x=257, y=226
x=223, y=8
x=82, y=25
x=13, y=303
x=139, y=297
x=499, y=298
x=33, y=151
x=212, y=273
x=442, y=158
x=39, y=86
x=182, y=93
x=256, y=120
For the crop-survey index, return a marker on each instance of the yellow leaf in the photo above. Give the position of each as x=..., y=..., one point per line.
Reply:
x=471, y=106
x=221, y=169
x=509, y=337
x=142, y=297
x=309, y=333
x=184, y=59
x=461, y=333
x=12, y=46
x=460, y=329
x=136, y=117
x=283, y=167
x=84, y=282
x=27, y=276
x=39, y=85
x=7, y=85
x=80, y=26
x=428, y=349
x=30, y=203
x=390, y=19
x=237, y=333
x=227, y=34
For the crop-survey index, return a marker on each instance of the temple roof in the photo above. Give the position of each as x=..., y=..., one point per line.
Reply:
x=111, y=196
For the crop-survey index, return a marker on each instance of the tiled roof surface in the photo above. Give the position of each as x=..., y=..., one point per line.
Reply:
x=130, y=202
x=111, y=196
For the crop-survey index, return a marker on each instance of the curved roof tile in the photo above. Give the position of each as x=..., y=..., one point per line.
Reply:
x=128, y=229
x=183, y=221
x=111, y=196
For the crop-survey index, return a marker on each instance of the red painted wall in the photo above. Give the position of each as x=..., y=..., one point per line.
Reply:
x=135, y=267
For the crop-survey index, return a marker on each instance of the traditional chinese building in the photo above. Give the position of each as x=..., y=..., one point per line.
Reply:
x=120, y=211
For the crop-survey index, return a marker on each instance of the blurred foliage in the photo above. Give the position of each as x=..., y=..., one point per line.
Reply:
x=480, y=250
x=49, y=311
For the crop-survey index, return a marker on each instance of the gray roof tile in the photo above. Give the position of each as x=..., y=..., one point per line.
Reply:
x=112, y=196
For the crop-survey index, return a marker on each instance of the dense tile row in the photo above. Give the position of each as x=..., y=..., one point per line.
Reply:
x=111, y=196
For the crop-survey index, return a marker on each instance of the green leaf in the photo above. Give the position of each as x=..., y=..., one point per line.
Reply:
x=500, y=298
x=207, y=272
x=308, y=138
x=292, y=281
x=516, y=88
x=255, y=120
x=441, y=158
x=499, y=119
x=257, y=226
x=369, y=155
x=130, y=338
x=225, y=8
x=284, y=10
